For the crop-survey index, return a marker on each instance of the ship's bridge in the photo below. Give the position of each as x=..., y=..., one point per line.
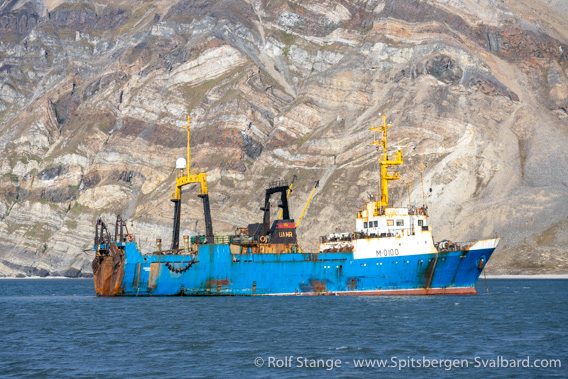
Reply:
x=391, y=221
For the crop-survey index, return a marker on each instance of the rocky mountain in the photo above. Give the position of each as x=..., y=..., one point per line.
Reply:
x=93, y=94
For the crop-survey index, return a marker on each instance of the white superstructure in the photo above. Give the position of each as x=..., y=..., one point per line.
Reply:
x=383, y=233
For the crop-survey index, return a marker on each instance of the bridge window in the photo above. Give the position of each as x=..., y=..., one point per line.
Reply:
x=399, y=222
x=365, y=225
x=390, y=222
x=420, y=222
x=376, y=224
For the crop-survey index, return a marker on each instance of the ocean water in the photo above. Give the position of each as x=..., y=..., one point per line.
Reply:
x=57, y=328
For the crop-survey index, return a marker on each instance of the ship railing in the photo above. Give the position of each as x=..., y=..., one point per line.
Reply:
x=379, y=235
x=446, y=245
x=180, y=251
x=413, y=211
x=242, y=239
x=218, y=239
x=221, y=239
x=338, y=237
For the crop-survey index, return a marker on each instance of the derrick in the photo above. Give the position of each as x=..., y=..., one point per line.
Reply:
x=385, y=163
x=184, y=177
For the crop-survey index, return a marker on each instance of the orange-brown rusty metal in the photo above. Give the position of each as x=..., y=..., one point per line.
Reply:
x=274, y=248
x=155, y=272
x=136, y=282
x=217, y=283
x=314, y=286
x=108, y=272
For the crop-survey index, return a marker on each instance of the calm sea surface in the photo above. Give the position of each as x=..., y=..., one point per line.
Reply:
x=57, y=328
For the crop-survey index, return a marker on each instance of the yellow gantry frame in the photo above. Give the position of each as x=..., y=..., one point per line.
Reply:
x=185, y=177
x=385, y=163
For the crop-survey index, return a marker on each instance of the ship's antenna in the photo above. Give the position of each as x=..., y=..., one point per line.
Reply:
x=422, y=166
x=408, y=190
x=188, y=147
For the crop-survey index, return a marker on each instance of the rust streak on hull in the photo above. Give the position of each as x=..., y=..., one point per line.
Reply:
x=217, y=283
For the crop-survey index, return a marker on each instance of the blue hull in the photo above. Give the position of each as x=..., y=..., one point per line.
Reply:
x=214, y=271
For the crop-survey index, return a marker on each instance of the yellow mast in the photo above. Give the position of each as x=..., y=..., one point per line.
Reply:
x=185, y=177
x=188, y=146
x=385, y=163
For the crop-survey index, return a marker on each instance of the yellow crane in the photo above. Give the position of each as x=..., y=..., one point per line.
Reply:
x=185, y=177
x=308, y=203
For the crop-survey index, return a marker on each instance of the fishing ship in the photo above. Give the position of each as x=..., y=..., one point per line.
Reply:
x=390, y=252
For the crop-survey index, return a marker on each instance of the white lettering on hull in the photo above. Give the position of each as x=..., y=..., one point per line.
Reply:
x=393, y=246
